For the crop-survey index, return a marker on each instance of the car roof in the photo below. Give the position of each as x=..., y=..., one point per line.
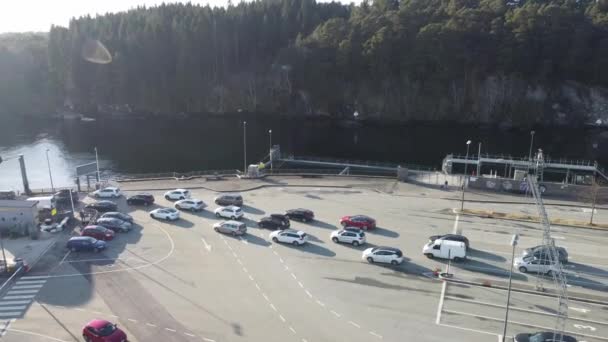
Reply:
x=384, y=248
x=104, y=202
x=234, y=222
x=233, y=207
x=110, y=188
x=87, y=238
x=293, y=231
x=98, y=323
x=180, y=190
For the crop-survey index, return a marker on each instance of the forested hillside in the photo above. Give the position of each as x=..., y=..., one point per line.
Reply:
x=490, y=61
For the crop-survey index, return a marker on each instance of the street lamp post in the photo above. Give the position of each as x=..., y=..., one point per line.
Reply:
x=530, y=153
x=48, y=163
x=244, y=147
x=97, y=163
x=514, y=240
x=270, y=149
x=465, y=175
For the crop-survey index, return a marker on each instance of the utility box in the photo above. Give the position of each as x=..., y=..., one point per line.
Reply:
x=401, y=174
x=520, y=175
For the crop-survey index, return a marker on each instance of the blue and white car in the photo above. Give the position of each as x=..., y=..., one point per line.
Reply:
x=168, y=214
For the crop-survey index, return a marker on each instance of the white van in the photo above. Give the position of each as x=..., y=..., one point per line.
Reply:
x=445, y=249
x=44, y=202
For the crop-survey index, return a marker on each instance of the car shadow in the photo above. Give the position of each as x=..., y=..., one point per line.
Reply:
x=252, y=210
x=312, y=248
x=205, y=214
x=250, y=223
x=321, y=224
x=575, y=267
x=384, y=232
x=249, y=238
x=182, y=222
x=476, y=253
x=482, y=267
x=314, y=238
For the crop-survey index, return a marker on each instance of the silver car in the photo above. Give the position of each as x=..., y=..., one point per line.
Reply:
x=534, y=265
x=233, y=228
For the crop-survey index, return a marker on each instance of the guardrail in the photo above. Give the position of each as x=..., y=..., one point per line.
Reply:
x=546, y=159
x=329, y=172
x=177, y=175
x=353, y=162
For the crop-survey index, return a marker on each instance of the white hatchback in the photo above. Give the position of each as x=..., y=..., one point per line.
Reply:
x=294, y=237
x=177, y=194
x=168, y=214
x=387, y=255
x=230, y=212
x=190, y=204
x=109, y=192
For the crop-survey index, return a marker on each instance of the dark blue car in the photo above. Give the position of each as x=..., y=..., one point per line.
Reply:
x=85, y=243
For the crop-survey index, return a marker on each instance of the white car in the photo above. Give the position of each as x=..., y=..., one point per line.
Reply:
x=387, y=255
x=230, y=212
x=294, y=237
x=168, y=214
x=109, y=192
x=535, y=265
x=354, y=237
x=190, y=204
x=177, y=194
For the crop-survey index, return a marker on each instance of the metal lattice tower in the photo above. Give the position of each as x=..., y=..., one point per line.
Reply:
x=559, y=280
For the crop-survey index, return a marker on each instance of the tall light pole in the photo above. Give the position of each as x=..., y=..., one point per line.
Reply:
x=531, y=145
x=465, y=175
x=479, y=160
x=270, y=149
x=244, y=147
x=514, y=240
x=97, y=162
x=48, y=163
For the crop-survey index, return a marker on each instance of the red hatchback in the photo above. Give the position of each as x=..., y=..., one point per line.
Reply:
x=98, y=232
x=100, y=330
x=359, y=221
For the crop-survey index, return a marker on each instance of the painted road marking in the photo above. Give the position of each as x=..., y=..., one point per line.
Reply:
x=35, y=277
x=19, y=297
x=292, y=329
x=9, y=308
x=282, y=318
x=207, y=246
x=26, y=282
x=580, y=309
x=440, y=306
x=23, y=287
x=308, y=294
x=375, y=334
x=455, y=230
x=354, y=324
x=11, y=314
x=273, y=307
x=335, y=314
x=171, y=330
x=13, y=302
x=11, y=292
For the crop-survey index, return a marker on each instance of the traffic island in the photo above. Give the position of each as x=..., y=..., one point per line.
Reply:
x=530, y=218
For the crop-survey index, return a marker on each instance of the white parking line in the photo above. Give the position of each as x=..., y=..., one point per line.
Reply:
x=12, y=292
x=23, y=287
x=265, y=297
x=282, y=318
x=258, y=287
x=292, y=329
x=11, y=314
x=189, y=334
x=321, y=303
x=273, y=307
x=308, y=294
x=28, y=282
x=354, y=324
x=468, y=329
x=35, y=277
x=301, y=285
x=9, y=308
x=440, y=306
x=171, y=330
x=294, y=276
x=132, y=320
x=250, y=277
x=245, y=270
x=20, y=297
x=335, y=314
x=150, y=324
x=375, y=334
x=13, y=302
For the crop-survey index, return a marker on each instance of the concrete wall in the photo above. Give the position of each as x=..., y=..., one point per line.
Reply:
x=18, y=220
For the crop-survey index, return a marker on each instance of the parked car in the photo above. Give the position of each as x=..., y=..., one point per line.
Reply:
x=229, y=199
x=230, y=227
x=190, y=204
x=141, y=199
x=280, y=217
x=388, y=255
x=300, y=214
x=445, y=249
x=359, y=221
x=99, y=330
x=63, y=196
x=177, y=194
x=294, y=237
x=543, y=336
x=542, y=252
x=231, y=212
x=85, y=243
x=102, y=206
x=114, y=224
x=168, y=214
x=98, y=232
x=272, y=223
x=348, y=236
x=534, y=265
x=450, y=237
x=109, y=192
x=118, y=215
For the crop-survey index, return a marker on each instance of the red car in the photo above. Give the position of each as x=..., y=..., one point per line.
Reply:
x=98, y=232
x=359, y=221
x=100, y=330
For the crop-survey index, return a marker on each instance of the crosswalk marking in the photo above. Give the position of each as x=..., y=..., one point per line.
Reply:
x=14, y=302
x=11, y=292
x=19, y=297
x=19, y=287
x=9, y=308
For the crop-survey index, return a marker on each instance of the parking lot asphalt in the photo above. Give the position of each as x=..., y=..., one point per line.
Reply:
x=181, y=281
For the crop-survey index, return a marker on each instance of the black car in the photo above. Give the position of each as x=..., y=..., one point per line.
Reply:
x=272, y=223
x=229, y=199
x=543, y=336
x=141, y=199
x=63, y=196
x=117, y=225
x=117, y=215
x=102, y=206
x=300, y=214
x=451, y=237
x=542, y=252
x=281, y=218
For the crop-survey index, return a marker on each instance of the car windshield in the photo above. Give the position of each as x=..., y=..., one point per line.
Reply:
x=107, y=330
